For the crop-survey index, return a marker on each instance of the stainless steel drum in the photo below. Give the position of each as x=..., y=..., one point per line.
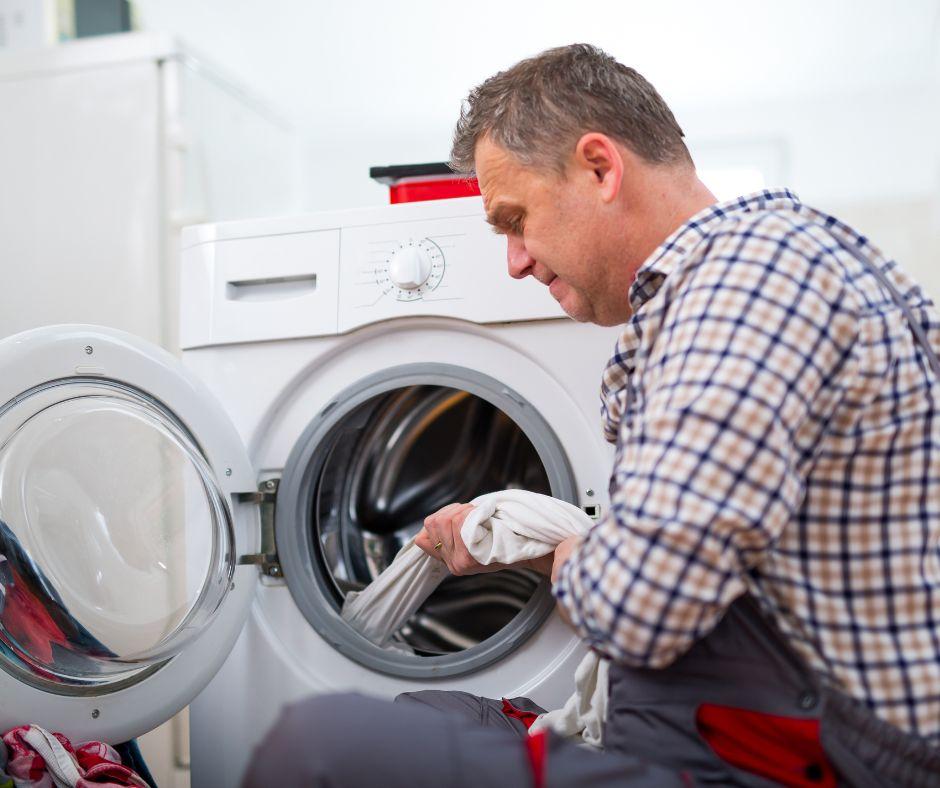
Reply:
x=399, y=457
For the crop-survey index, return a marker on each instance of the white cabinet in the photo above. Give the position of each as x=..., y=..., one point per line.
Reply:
x=107, y=147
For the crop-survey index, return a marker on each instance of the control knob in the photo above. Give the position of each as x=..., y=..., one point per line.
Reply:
x=409, y=267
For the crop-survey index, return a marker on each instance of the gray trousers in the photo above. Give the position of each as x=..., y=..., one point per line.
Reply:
x=452, y=739
x=427, y=739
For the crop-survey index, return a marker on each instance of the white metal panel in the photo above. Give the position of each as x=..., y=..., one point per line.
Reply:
x=79, y=199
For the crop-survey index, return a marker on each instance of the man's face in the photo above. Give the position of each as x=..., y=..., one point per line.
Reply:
x=559, y=231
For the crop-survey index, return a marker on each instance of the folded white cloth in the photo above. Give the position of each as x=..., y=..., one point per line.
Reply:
x=503, y=527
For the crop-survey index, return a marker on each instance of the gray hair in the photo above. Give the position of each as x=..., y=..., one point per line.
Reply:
x=540, y=108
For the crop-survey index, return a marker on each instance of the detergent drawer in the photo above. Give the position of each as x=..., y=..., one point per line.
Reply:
x=256, y=289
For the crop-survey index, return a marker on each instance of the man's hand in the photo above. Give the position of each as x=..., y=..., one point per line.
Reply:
x=440, y=539
x=562, y=552
x=443, y=528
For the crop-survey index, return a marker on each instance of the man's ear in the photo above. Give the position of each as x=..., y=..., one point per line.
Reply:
x=598, y=156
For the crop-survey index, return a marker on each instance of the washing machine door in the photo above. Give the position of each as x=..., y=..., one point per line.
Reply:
x=120, y=531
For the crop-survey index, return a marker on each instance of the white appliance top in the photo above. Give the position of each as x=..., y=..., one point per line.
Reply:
x=325, y=220
x=96, y=52
x=329, y=273
x=121, y=49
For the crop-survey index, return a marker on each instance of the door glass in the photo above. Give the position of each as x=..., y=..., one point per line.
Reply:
x=115, y=541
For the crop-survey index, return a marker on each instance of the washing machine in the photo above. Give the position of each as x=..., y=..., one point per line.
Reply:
x=185, y=533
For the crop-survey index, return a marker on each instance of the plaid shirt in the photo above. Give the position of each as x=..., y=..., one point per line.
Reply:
x=778, y=432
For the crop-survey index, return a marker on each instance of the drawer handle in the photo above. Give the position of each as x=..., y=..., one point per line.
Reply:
x=273, y=288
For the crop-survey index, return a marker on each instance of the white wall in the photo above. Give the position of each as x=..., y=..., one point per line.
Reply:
x=377, y=83
x=870, y=156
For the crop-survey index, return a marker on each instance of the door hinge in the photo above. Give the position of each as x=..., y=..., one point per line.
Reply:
x=266, y=498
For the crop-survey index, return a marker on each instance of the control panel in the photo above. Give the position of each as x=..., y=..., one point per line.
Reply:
x=450, y=267
x=333, y=273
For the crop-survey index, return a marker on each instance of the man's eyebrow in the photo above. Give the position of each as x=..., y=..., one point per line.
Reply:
x=501, y=214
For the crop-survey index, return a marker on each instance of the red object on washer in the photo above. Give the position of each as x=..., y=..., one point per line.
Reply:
x=419, y=182
x=416, y=191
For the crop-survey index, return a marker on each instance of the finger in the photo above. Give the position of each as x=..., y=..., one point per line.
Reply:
x=461, y=561
x=444, y=511
x=428, y=543
x=449, y=524
x=437, y=525
x=456, y=521
x=442, y=534
x=433, y=522
x=423, y=538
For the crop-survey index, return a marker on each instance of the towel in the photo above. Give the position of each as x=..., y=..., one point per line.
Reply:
x=503, y=527
x=584, y=713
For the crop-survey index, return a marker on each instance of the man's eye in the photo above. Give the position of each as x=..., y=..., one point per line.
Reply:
x=511, y=227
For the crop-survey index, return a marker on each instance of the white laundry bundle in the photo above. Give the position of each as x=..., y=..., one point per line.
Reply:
x=503, y=527
x=585, y=711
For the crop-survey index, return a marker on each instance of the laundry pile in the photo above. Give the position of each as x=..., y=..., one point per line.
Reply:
x=31, y=757
x=503, y=527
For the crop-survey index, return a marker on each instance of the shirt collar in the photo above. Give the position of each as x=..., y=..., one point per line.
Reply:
x=670, y=252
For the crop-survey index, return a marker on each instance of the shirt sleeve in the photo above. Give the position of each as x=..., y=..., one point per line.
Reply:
x=736, y=375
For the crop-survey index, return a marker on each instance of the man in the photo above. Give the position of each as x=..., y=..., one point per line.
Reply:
x=767, y=582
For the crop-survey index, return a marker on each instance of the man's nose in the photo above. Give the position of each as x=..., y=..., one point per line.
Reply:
x=519, y=260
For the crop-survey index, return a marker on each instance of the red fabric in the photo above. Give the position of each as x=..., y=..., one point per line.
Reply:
x=536, y=743
x=22, y=760
x=98, y=763
x=441, y=189
x=27, y=620
x=784, y=749
x=537, y=749
x=527, y=717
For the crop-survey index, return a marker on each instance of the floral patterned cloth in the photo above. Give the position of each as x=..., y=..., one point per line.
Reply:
x=31, y=757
